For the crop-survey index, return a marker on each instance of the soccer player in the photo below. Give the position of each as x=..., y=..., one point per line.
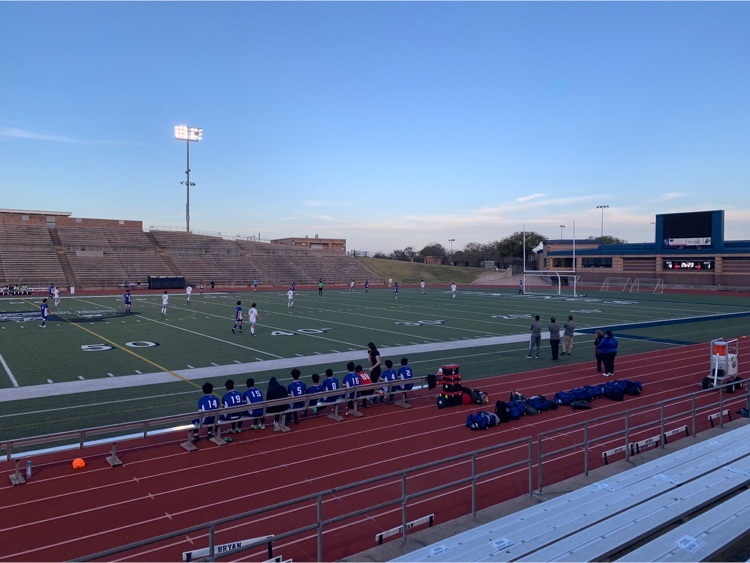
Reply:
x=189, y=292
x=254, y=395
x=238, y=317
x=56, y=294
x=367, y=285
x=395, y=290
x=453, y=290
x=128, y=301
x=208, y=402
x=364, y=379
x=315, y=387
x=255, y=284
x=290, y=298
x=351, y=379
x=296, y=388
x=405, y=373
x=351, y=286
x=164, y=302
x=44, y=311
x=422, y=287
x=51, y=291
x=520, y=287
x=252, y=317
x=232, y=398
x=201, y=288
x=294, y=286
x=331, y=384
x=389, y=376
x=213, y=285
x=320, y=287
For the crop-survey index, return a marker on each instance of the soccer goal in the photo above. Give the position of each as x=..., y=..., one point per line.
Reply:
x=616, y=284
x=549, y=281
x=646, y=285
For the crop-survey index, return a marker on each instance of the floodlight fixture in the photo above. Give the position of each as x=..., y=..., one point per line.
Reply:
x=602, y=207
x=189, y=135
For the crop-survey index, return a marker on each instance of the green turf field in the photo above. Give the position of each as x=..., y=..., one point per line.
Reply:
x=94, y=365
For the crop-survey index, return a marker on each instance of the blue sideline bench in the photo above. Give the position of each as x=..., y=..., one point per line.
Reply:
x=567, y=527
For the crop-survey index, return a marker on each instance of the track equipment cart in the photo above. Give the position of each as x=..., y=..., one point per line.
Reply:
x=724, y=360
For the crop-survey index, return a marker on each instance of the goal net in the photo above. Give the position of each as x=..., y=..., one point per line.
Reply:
x=646, y=285
x=549, y=282
x=616, y=284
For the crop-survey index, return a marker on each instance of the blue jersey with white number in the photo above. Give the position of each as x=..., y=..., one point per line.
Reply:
x=254, y=395
x=208, y=403
x=128, y=297
x=405, y=372
x=44, y=310
x=331, y=384
x=230, y=399
x=297, y=389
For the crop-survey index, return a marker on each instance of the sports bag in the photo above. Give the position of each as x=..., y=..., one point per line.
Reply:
x=501, y=410
x=481, y=420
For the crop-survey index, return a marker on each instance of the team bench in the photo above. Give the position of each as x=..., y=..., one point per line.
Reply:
x=215, y=421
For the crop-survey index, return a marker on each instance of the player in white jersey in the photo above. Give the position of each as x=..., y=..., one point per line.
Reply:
x=164, y=303
x=189, y=292
x=252, y=317
x=422, y=287
x=56, y=293
x=290, y=298
x=453, y=290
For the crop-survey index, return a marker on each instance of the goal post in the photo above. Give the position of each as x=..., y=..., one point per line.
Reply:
x=549, y=281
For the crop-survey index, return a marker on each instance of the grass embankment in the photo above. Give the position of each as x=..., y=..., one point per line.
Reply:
x=413, y=273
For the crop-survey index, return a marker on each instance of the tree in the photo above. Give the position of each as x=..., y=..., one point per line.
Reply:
x=513, y=245
x=433, y=249
x=607, y=239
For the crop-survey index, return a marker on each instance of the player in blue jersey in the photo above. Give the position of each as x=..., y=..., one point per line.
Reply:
x=208, y=402
x=405, y=373
x=296, y=388
x=128, y=301
x=367, y=285
x=232, y=398
x=395, y=290
x=389, y=376
x=351, y=379
x=51, y=291
x=44, y=311
x=294, y=287
x=331, y=384
x=315, y=387
x=254, y=395
x=238, y=317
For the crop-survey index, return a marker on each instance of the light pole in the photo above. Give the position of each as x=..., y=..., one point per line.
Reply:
x=451, y=240
x=561, y=231
x=188, y=134
x=602, y=207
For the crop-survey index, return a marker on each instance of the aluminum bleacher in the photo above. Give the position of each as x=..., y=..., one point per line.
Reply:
x=610, y=517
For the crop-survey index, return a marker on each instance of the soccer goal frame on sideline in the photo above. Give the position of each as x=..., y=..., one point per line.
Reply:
x=552, y=278
x=630, y=285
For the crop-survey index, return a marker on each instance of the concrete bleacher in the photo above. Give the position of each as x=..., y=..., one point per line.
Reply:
x=595, y=519
x=27, y=255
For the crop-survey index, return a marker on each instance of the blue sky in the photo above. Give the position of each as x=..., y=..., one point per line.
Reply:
x=390, y=124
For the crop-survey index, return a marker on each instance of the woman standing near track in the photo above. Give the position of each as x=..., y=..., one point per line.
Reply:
x=374, y=355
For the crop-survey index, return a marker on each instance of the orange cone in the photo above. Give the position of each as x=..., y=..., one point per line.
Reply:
x=78, y=463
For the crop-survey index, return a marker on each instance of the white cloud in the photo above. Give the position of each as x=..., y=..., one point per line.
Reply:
x=530, y=197
x=669, y=196
x=18, y=133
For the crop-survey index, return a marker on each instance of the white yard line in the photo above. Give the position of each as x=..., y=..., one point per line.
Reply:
x=7, y=370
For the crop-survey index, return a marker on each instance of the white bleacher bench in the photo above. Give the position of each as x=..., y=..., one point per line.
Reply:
x=606, y=517
x=701, y=538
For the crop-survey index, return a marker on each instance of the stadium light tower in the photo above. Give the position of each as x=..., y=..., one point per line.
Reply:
x=188, y=134
x=561, y=231
x=451, y=240
x=602, y=207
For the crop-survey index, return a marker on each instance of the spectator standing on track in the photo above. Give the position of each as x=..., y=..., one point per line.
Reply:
x=331, y=384
x=536, y=336
x=252, y=317
x=405, y=373
x=569, y=330
x=255, y=395
x=189, y=292
x=374, y=357
x=388, y=376
x=597, y=355
x=296, y=388
x=290, y=298
x=232, y=398
x=238, y=317
x=44, y=312
x=351, y=379
x=608, y=350
x=208, y=402
x=276, y=391
x=128, y=301
x=164, y=302
x=554, y=337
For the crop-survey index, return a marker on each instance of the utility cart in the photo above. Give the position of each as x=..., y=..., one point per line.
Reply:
x=724, y=361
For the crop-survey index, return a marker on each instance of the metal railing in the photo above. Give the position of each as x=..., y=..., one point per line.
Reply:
x=653, y=416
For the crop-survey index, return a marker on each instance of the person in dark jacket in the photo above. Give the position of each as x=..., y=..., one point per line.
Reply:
x=276, y=391
x=608, y=350
x=597, y=340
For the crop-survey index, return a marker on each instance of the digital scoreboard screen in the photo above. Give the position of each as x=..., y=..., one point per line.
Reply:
x=689, y=264
x=700, y=229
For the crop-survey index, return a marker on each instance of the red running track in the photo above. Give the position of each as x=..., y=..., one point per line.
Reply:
x=61, y=514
